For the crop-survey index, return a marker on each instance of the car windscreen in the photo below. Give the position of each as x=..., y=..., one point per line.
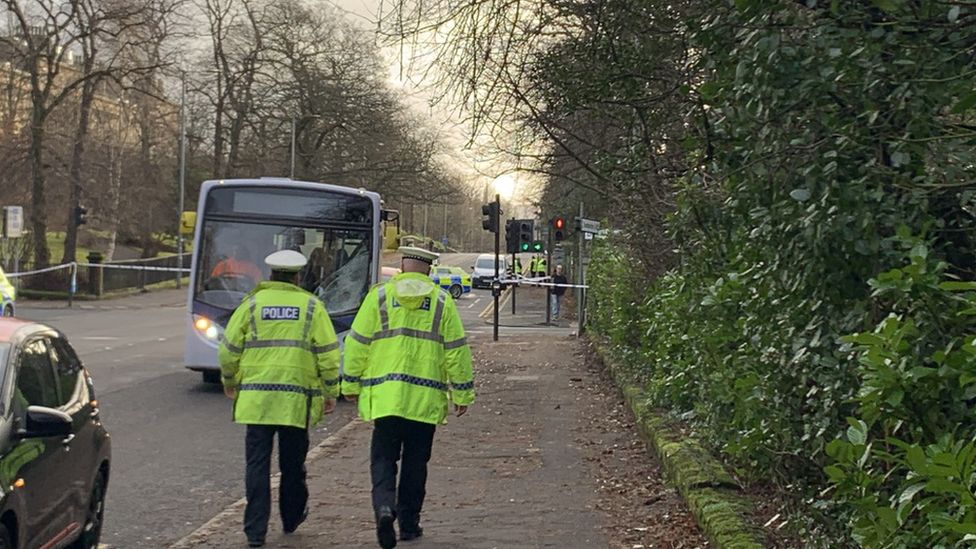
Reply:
x=231, y=261
x=488, y=263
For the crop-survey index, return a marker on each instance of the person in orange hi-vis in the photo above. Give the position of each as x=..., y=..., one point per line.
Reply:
x=238, y=264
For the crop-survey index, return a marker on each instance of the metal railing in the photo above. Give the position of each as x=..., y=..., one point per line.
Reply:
x=137, y=273
x=96, y=278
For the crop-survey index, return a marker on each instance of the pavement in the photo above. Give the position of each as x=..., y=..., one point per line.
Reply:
x=529, y=310
x=508, y=474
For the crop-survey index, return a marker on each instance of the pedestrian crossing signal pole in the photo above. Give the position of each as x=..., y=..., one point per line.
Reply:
x=513, y=284
x=557, y=228
x=493, y=212
x=548, y=267
x=511, y=246
x=497, y=286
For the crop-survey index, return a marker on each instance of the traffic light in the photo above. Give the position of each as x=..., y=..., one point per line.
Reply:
x=511, y=236
x=538, y=246
x=80, y=212
x=558, y=228
x=492, y=211
x=526, y=230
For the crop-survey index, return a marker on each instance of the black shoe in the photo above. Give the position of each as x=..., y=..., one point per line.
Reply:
x=255, y=542
x=384, y=528
x=411, y=534
x=293, y=527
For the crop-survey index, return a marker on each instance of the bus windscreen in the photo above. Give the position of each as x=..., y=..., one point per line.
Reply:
x=230, y=261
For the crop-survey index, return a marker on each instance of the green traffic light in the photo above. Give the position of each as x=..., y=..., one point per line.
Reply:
x=537, y=247
x=525, y=246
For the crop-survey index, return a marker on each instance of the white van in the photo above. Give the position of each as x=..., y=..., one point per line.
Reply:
x=483, y=270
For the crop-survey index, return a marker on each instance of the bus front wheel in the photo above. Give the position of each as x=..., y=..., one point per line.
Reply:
x=211, y=376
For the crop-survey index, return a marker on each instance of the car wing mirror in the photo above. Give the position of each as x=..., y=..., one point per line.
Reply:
x=43, y=422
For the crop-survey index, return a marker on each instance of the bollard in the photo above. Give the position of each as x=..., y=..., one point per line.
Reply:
x=96, y=280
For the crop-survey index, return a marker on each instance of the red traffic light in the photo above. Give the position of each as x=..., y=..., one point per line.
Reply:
x=558, y=228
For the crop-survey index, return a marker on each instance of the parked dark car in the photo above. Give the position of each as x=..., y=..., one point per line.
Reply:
x=54, y=451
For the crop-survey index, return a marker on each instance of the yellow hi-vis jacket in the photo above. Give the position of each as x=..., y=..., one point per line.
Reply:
x=406, y=354
x=280, y=351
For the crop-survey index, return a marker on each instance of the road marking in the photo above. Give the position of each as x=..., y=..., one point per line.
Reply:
x=503, y=299
x=233, y=511
x=476, y=301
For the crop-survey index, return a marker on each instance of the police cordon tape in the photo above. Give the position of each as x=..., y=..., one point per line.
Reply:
x=99, y=265
x=136, y=267
x=41, y=271
x=540, y=281
x=73, y=266
x=510, y=283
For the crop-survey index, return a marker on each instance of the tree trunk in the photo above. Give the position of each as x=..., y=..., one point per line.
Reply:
x=42, y=255
x=75, y=175
x=234, y=144
x=115, y=195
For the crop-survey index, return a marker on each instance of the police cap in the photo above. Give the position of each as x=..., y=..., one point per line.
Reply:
x=288, y=261
x=420, y=254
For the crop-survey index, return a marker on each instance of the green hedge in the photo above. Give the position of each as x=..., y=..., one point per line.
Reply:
x=815, y=331
x=874, y=430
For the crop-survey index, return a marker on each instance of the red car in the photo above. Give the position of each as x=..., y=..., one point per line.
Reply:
x=54, y=451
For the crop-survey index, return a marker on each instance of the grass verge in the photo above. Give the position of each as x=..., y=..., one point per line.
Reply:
x=710, y=491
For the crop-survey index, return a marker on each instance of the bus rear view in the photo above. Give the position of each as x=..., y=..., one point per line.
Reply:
x=240, y=222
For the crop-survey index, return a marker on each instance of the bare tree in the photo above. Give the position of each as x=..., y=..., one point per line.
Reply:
x=133, y=35
x=236, y=34
x=45, y=40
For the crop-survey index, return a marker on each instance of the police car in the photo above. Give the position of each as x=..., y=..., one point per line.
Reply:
x=8, y=294
x=452, y=279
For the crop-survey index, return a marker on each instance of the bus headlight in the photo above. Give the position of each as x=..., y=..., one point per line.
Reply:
x=207, y=328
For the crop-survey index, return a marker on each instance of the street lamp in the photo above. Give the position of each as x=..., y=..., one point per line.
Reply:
x=179, y=231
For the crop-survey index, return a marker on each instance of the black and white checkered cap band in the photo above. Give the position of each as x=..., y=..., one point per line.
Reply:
x=418, y=258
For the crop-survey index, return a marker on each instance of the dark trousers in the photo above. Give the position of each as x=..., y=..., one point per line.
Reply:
x=394, y=437
x=293, y=492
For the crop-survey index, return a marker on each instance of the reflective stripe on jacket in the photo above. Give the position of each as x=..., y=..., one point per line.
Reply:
x=281, y=353
x=406, y=354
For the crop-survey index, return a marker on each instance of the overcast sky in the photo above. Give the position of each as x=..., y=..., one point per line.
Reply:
x=364, y=12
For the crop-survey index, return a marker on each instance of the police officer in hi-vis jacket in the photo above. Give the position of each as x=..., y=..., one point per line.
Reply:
x=279, y=361
x=406, y=359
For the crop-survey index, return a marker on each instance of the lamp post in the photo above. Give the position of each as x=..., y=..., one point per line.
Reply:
x=179, y=231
